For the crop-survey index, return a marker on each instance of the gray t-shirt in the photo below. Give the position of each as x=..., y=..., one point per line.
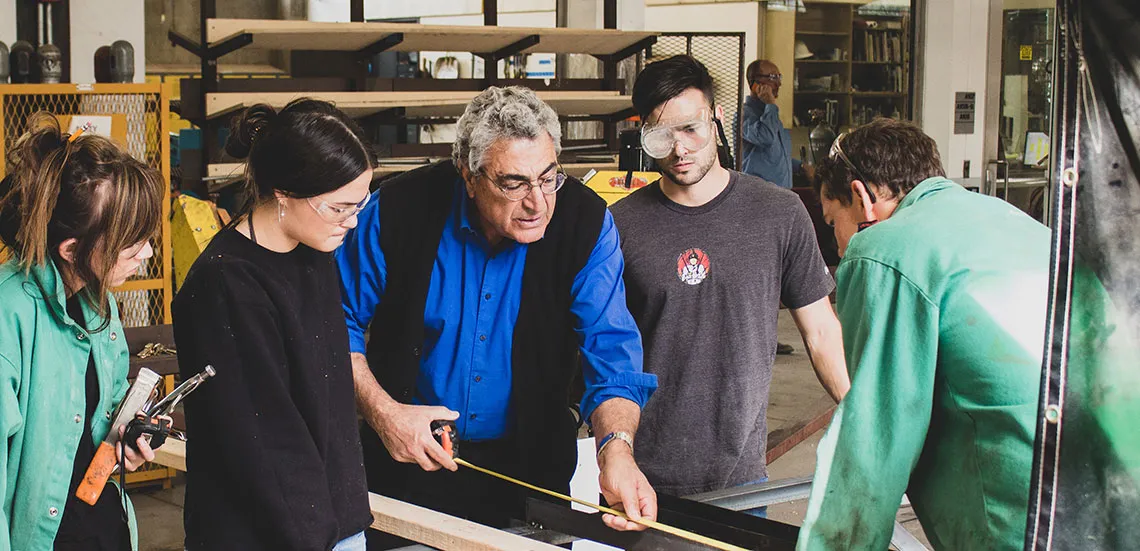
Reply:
x=705, y=285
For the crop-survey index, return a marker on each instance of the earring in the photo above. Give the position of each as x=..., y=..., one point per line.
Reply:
x=280, y=211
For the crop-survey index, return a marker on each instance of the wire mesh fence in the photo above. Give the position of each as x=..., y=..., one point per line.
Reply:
x=145, y=298
x=723, y=55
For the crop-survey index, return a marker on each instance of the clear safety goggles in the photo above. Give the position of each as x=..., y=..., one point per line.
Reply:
x=658, y=140
x=335, y=214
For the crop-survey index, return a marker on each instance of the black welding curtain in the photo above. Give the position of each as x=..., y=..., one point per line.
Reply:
x=1098, y=475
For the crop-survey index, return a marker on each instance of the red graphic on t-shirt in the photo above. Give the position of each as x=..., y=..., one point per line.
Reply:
x=693, y=266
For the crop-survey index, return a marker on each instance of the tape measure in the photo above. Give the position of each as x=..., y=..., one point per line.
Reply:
x=445, y=432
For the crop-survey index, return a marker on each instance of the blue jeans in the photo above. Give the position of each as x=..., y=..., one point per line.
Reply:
x=761, y=512
x=351, y=543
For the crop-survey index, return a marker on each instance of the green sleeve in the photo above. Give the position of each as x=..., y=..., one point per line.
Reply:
x=890, y=332
x=10, y=423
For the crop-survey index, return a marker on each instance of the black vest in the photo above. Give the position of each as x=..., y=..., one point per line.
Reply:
x=413, y=209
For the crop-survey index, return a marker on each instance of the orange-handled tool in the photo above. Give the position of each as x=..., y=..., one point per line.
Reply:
x=103, y=464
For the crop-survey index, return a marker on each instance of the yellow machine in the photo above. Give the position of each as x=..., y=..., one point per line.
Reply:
x=613, y=185
x=195, y=223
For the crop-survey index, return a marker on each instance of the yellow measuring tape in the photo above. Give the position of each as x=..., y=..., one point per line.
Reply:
x=643, y=521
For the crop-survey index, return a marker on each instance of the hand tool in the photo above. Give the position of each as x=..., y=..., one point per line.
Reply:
x=448, y=437
x=103, y=464
x=154, y=421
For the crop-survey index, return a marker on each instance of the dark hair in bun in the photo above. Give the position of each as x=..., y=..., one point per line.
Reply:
x=306, y=149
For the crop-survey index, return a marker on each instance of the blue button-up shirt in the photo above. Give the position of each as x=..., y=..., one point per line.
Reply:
x=767, y=145
x=472, y=304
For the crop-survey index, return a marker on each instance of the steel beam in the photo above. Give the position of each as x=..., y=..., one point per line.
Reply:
x=751, y=496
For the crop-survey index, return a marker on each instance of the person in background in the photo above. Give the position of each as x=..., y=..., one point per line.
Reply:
x=766, y=150
x=76, y=216
x=942, y=295
x=767, y=145
x=710, y=254
x=482, y=279
x=274, y=461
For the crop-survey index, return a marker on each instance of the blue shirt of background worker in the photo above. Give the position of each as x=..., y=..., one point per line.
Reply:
x=766, y=149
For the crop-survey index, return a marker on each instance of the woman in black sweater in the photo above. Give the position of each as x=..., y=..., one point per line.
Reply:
x=273, y=458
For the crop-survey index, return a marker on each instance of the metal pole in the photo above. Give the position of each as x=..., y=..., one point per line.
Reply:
x=1047, y=445
x=491, y=13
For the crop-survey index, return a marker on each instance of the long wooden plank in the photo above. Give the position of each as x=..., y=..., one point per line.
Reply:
x=405, y=520
x=312, y=35
x=443, y=531
x=417, y=104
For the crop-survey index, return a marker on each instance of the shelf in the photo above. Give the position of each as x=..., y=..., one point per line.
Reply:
x=819, y=93
x=223, y=69
x=877, y=63
x=226, y=172
x=416, y=104
x=822, y=61
x=823, y=33
x=312, y=35
x=879, y=94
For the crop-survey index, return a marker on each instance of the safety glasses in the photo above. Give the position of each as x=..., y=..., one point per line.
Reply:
x=658, y=140
x=334, y=214
x=837, y=153
x=517, y=190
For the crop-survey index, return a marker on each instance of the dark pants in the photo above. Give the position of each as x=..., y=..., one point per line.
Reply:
x=467, y=493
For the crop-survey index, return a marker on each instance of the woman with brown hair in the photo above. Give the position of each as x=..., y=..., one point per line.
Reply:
x=76, y=216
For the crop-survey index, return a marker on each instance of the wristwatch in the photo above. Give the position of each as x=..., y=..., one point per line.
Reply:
x=619, y=435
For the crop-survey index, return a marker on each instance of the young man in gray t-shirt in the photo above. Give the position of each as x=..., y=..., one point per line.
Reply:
x=710, y=253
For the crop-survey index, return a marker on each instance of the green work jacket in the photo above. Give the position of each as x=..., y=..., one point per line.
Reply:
x=943, y=311
x=43, y=365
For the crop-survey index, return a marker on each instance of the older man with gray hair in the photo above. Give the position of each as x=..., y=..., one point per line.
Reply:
x=483, y=299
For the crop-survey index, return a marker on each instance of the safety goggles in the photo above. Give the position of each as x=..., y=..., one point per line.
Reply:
x=659, y=140
x=337, y=215
x=837, y=153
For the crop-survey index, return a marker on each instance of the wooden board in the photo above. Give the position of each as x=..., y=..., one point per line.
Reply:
x=405, y=520
x=312, y=35
x=442, y=531
x=223, y=69
x=416, y=104
x=172, y=454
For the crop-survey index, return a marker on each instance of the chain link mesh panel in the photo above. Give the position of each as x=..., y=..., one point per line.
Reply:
x=148, y=303
x=722, y=54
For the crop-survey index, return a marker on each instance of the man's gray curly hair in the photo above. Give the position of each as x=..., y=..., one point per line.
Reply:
x=498, y=113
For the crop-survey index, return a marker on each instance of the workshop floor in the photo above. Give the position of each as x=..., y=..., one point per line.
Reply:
x=796, y=398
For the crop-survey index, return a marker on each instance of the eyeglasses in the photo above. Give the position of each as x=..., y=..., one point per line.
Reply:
x=770, y=76
x=837, y=152
x=517, y=190
x=337, y=215
x=658, y=141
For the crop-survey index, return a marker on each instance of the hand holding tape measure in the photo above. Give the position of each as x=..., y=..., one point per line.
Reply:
x=135, y=417
x=448, y=437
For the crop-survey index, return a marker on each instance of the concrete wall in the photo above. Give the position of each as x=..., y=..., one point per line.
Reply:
x=95, y=24
x=182, y=16
x=8, y=22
